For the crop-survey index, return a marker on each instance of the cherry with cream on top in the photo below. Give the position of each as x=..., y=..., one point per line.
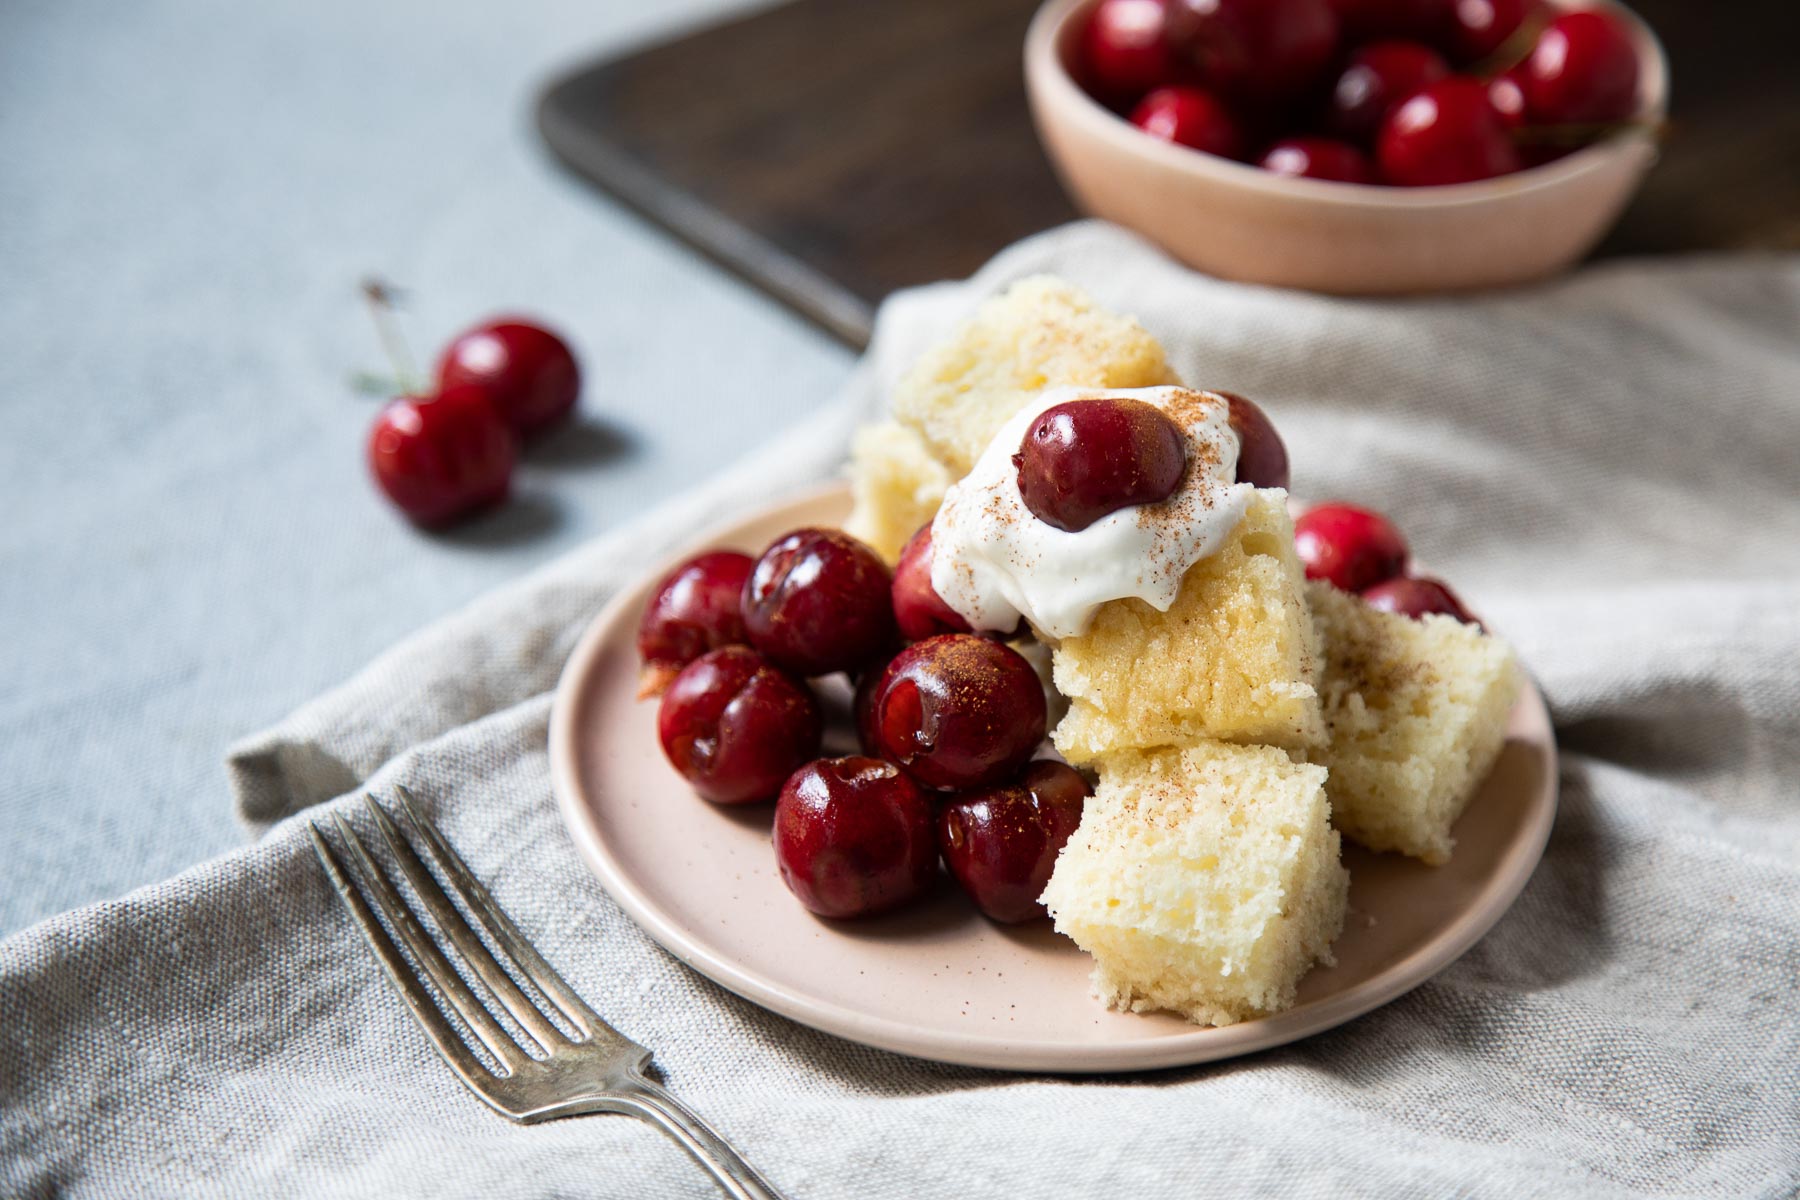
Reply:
x=1001, y=843
x=1086, y=458
x=958, y=711
x=853, y=837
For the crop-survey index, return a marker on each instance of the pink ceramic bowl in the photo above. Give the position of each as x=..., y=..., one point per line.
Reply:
x=1241, y=222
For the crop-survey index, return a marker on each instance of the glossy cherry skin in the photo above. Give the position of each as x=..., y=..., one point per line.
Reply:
x=1124, y=52
x=1318, y=158
x=1374, y=79
x=442, y=457
x=1262, y=458
x=819, y=601
x=1261, y=51
x=1446, y=133
x=1474, y=29
x=1583, y=71
x=1001, y=843
x=695, y=609
x=958, y=711
x=1417, y=596
x=529, y=373
x=918, y=609
x=1506, y=92
x=853, y=837
x=1084, y=459
x=735, y=727
x=1191, y=117
x=1349, y=547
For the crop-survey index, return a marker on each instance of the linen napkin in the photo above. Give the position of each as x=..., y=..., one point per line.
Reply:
x=1607, y=467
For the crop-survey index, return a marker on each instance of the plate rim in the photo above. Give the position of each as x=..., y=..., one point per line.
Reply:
x=1199, y=1045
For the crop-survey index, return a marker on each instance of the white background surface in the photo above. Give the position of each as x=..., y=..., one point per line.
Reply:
x=189, y=192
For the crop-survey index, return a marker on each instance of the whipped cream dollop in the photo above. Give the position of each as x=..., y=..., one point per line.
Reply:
x=993, y=561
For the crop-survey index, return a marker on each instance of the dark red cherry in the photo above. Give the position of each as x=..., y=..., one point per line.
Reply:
x=1262, y=458
x=1318, y=158
x=1417, y=596
x=1083, y=459
x=918, y=609
x=442, y=457
x=695, y=609
x=1191, y=117
x=1373, y=20
x=1123, y=52
x=1376, y=78
x=1001, y=843
x=1262, y=51
x=1446, y=133
x=735, y=727
x=853, y=837
x=1583, y=71
x=959, y=711
x=1349, y=547
x=528, y=372
x=1474, y=29
x=820, y=601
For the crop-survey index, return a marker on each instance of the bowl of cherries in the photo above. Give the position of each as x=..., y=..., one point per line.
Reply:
x=745, y=654
x=1352, y=146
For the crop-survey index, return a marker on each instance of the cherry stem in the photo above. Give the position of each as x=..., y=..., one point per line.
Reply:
x=380, y=296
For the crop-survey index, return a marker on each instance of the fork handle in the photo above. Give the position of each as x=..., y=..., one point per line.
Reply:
x=735, y=1177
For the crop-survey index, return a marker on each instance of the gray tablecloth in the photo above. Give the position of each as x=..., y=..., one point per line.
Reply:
x=1608, y=467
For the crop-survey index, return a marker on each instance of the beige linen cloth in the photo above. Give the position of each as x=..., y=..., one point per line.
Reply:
x=1607, y=467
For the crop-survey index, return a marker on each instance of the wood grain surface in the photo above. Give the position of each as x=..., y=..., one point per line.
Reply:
x=830, y=151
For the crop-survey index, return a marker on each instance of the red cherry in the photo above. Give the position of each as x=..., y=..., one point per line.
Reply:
x=1416, y=596
x=1351, y=548
x=1474, y=29
x=735, y=727
x=529, y=372
x=959, y=711
x=1264, y=51
x=1083, y=459
x=1002, y=843
x=853, y=837
x=1319, y=158
x=1377, y=77
x=441, y=457
x=1369, y=20
x=1446, y=133
x=918, y=609
x=820, y=601
x=1262, y=458
x=695, y=609
x=1191, y=117
x=1506, y=92
x=1123, y=53
x=1583, y=71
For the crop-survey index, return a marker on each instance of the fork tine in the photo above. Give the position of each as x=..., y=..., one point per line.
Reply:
x=523, y=1010
x=418, y=1000
x=428, y=956
x=500, y=926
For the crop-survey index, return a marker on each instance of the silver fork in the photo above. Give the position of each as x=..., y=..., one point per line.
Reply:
x=597, y=1069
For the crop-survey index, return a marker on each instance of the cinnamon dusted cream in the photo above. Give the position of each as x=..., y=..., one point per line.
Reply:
x=993, y=561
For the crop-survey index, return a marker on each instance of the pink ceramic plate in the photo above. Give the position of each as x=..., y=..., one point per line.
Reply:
x=940, y=981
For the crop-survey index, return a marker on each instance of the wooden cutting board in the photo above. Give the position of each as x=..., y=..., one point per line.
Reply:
x=831, y=151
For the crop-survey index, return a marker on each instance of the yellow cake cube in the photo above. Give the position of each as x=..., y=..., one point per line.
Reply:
x=1042, y=332
x=895, y=485
x=1235, y=658
x=1204, y=881
x=1415, y=713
